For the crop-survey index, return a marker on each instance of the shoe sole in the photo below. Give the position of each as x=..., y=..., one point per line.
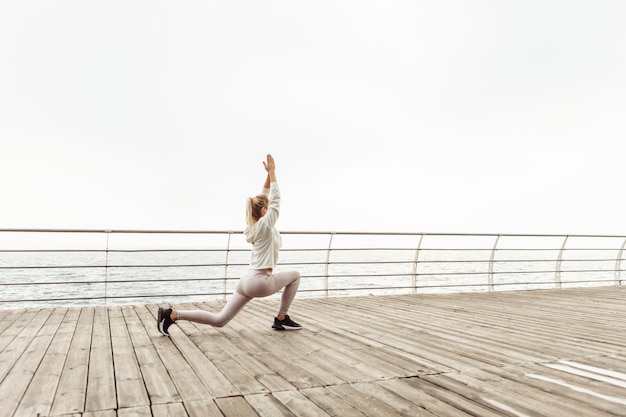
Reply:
x=161, y=322
x=286, y=328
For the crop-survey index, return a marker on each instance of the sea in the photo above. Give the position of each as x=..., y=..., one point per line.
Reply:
x=38, y=279
x=140, y=268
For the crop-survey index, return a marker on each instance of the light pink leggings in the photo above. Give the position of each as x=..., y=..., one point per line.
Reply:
x=256, y=283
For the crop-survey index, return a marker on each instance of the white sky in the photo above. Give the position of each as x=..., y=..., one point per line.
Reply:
x=418, y=116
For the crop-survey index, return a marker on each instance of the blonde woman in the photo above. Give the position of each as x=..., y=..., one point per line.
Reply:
x=260, y=281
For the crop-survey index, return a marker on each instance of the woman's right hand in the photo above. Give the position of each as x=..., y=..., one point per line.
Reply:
x=269, y=164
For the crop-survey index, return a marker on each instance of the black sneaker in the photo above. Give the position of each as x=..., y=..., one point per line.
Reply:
x=285, y=324
x=164, y=321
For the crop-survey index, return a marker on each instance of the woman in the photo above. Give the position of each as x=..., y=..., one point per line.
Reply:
x=260, y=280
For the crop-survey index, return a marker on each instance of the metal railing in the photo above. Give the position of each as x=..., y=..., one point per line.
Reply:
x=41, y=267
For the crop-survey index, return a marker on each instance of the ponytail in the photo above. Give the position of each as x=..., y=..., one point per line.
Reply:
x=253, y=208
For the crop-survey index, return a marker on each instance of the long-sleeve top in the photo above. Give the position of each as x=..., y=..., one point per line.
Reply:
x=263, y=235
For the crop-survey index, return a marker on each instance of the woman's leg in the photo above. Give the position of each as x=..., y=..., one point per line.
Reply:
x=230, y=310
x=256, y=283
x=262, y=283
x=290, y=281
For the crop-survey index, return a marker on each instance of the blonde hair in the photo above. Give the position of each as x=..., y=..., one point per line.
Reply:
x=253, y=208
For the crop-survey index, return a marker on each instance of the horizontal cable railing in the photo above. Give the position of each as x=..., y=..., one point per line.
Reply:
x=43, y=267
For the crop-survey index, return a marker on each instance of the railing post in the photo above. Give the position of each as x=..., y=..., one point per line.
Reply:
x=559, y=260
x=230, y=232
x=330, y=243
x=417, y=254
x=491, y=261
x=618, y=265
x=106, y=269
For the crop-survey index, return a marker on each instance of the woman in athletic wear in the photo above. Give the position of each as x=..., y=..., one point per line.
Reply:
x=260, y=280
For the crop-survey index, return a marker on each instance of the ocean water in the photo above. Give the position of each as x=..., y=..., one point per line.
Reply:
x=34, y=279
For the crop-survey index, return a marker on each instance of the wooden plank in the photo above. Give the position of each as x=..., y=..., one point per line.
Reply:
x=258, y=377
x=290, y=363
x=40, y=394
x=273, y=348
x=463, y=402
x=331, y=403
x=362, y=401
x=469, y=336
x=419, y=397
x=100, y=413
x=19, y=377
x=515, y=394
x=417, y=344
x=136, y=329
x=161, y=389
x=459, y=355
x=266, y=405
x=198, y=350
x=9, y=319
x=358, y=356
x=72, y=390
x=524, y=312
x=615, y=363
x=236, y=358
x=181, y=372
x=260, y=356
x=300, y=345
x=101, y=393
x=439, y=335
x=380, y=346
x=18, y=336
x=544, y=325
x=300, y=405
x=159, y=385
x=131, y=389
x=203, y=408
x=169, y=410
x=355, y=350
x=242, y=380
x=580, y=395
x=135, y=412
x=398, y=403
x=235, y=407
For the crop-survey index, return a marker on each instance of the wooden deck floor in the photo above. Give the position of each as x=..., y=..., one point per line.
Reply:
x=536, y=353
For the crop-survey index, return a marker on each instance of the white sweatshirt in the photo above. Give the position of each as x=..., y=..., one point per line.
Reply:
x=263, y=235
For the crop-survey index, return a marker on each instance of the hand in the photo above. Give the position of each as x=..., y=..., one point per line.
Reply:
x=269, y=164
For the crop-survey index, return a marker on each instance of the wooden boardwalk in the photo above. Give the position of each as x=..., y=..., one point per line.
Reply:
x=535, y=353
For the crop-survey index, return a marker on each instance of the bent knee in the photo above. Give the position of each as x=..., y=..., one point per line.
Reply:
x=222, y=322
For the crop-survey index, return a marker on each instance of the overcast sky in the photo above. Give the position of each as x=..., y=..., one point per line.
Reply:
x=417, y=116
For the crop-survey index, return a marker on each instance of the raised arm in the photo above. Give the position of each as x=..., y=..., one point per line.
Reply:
x=270, y=167
x=271, y=187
